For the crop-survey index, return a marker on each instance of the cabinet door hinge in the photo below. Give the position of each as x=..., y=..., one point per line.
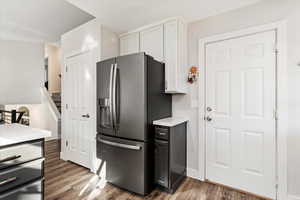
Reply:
x=66, y=68
x=67, y=106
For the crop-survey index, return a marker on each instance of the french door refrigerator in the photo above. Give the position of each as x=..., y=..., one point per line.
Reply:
x=130, y=95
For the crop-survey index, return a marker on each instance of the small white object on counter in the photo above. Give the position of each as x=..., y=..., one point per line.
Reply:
x=17, y=133
x=170, y=122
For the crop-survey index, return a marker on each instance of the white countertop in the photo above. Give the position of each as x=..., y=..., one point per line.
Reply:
x=17, y=133
x=170, y=122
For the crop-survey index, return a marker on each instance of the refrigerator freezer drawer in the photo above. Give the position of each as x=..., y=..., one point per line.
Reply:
x=126, y=163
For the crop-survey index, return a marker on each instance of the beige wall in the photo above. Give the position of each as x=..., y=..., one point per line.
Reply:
x=54, y=68
x=258, y=14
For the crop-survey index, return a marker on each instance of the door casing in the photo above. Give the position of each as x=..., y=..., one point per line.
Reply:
x=281, y=99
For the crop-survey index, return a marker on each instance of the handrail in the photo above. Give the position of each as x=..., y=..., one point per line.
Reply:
x=51, y=104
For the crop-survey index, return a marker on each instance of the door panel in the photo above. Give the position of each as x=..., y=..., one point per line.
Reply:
x=241, y=92
x=132, y=84
x=78, y=115
x=104, y=104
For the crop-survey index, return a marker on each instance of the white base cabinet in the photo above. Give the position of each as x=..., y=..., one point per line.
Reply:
x=166, y=41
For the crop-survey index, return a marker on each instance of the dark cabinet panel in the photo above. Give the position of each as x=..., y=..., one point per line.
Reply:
x=170, y=156
x=162, y=163
x=33, y=191
x=22, y=171
x=178, y=160
x=20, y=175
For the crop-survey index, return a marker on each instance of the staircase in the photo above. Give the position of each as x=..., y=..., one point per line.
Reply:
x=57, y=100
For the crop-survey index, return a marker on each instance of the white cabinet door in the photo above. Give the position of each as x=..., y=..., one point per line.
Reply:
x=130, y=44
x=152, y=42
x=171, y=55
x=78, y=117
x=241, y=133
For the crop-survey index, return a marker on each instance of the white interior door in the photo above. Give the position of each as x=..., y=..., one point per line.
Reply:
x=240, y=128
x=79, y=99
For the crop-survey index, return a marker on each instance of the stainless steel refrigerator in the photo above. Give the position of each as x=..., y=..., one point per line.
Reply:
x=130, y=95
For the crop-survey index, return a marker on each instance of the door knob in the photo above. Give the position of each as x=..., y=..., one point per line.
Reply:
x=209, y=109
x=208, y=119
x=86, y=116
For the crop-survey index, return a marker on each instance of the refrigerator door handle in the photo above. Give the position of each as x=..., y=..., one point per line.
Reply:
x=111, y=95
x=124, y=146
x=114, y=91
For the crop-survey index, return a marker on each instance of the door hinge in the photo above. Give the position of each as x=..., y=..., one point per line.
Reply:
x=67, y=106
x=276, y=49
x=66, y=68
x=275, y=114
x=67, y=143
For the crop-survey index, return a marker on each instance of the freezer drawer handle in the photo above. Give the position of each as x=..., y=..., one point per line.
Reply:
x=125, y=146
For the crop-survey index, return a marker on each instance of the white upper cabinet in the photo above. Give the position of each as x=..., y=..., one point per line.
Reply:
x=152, y=42
x=175, y=51
x=166, y=42
x=130, y=44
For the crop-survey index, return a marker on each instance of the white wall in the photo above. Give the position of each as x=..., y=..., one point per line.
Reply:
x=261, y=13
x=21, y=70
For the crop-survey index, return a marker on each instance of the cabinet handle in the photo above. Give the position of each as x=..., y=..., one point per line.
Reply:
x=162, y=134
x=86, y=116
x=10, y=180
x=10, y=158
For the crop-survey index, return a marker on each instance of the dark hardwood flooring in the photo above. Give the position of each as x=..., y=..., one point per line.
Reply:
x=68, y=181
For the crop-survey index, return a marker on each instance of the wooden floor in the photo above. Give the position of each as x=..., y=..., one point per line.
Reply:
x=67, y=181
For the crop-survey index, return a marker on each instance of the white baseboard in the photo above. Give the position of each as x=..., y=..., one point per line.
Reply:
x=293, y=197
x=62, y=156
x=192, y=173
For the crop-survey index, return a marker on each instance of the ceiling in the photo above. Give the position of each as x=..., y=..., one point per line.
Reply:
x=124, y=15
x=39, y=20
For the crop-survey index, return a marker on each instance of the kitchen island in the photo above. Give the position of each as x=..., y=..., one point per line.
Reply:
x=21, y=162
